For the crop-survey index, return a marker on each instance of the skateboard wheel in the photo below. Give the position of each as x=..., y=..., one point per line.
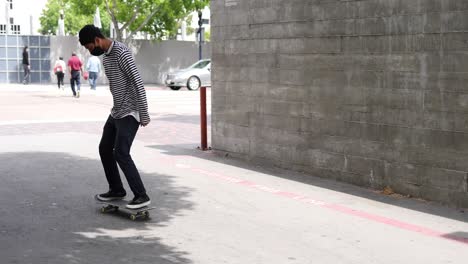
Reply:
x=133, y=217
x=146, y=214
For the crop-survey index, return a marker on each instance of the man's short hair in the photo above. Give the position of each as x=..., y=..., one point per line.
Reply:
x=88, y=33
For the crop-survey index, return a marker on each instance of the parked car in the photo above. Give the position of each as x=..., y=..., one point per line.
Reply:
x=193, y=77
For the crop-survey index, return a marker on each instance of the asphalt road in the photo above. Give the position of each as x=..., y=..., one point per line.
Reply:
x=210, y=209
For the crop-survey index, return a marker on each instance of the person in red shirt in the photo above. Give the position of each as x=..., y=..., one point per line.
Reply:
x=75, y=67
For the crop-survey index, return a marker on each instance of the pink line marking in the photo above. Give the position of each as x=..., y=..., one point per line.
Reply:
x=335, y=207
x=395, y=223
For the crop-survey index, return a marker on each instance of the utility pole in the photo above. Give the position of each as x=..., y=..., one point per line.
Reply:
x=200, y=33
x=203, y=115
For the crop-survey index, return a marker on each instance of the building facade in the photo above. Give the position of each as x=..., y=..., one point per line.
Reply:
x=11, y=50
x=20, y=17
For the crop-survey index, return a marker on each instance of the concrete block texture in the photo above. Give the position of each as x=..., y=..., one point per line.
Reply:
x=371, y=92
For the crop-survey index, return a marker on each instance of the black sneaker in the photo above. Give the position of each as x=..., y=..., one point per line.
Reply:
x=139, y=202
x=111, y=195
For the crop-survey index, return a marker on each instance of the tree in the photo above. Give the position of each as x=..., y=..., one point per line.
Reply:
x=157, y=18
x=207, y=36
x=189, y=30
x=73, y=21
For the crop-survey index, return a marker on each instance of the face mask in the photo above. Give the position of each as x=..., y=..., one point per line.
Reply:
x=97, y=51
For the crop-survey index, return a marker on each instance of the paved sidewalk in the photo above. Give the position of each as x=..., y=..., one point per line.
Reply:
x=210, y=209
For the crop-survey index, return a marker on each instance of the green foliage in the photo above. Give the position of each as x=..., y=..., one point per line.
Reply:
x=190, y=30
x=207, y=36
x=74, y=21
x=158, y=18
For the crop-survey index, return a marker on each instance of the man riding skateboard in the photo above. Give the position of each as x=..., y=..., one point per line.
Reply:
x=130, y=110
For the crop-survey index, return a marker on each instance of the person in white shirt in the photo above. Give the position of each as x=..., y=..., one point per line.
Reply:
x=59, y=70
x=94, y=68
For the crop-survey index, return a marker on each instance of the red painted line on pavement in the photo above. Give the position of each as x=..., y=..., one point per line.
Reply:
x=396, y=223
x=335, y=207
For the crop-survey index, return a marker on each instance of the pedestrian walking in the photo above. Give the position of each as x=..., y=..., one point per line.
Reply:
x=94, y=68
x=26, y=65
x=129, y=111
x=59, y=70
x=75, y=67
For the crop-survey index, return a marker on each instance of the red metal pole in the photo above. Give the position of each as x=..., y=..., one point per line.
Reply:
x=203, y=122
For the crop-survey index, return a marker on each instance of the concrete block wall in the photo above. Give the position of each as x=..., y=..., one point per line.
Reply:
x=371, y=92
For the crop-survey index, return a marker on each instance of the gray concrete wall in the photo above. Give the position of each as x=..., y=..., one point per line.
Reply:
x=371, y=92
x=154, y=59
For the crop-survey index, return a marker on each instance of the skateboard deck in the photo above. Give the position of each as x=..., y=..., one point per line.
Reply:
x=119, y=205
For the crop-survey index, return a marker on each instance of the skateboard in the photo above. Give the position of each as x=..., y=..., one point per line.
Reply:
x=119, y=205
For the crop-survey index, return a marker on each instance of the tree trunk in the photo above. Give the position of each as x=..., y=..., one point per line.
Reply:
x=118, y=31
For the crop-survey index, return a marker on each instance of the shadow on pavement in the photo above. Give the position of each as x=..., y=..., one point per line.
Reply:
x=461, y=237
x=49, y=215
x=413, y=204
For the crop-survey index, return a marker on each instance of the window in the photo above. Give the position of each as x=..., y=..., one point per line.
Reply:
x=3, y=29
x=15, y=29
x=11, y=4
x=12, y=20
x=200, y=64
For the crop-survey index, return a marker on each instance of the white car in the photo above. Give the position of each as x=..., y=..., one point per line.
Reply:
x=193, y=77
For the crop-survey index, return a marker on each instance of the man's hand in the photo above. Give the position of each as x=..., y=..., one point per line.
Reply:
x=144, y=124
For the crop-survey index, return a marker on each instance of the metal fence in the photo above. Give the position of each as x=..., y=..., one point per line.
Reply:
x=11, y=50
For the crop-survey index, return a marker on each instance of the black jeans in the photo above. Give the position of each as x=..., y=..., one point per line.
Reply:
x=116, y=141
x=75, y=78
x=60, y=76
x=27, y=72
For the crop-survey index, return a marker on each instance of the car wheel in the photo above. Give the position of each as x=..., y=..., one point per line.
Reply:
x=193, y=83
x=175, y=88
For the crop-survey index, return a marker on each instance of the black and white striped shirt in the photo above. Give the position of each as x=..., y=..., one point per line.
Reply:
x=125, y=84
